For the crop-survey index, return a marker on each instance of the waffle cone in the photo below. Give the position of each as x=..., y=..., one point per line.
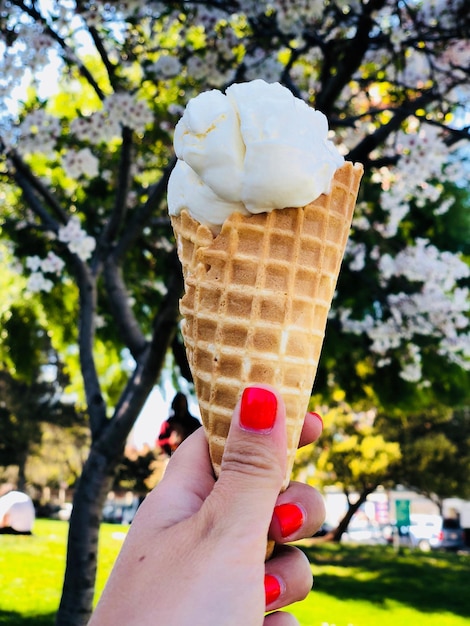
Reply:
x=256, y=303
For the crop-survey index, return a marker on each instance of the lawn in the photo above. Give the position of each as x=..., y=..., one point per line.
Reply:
x=354, y=585
x=372, y=585
x=32, y=569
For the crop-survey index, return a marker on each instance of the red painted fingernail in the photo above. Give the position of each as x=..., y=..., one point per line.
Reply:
x=258, y=409
x=319, y=417
x=290, y=518
x=272, y=588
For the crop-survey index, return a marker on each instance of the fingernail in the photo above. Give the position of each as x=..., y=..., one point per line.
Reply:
x=317, y=416
x=258, y=409
x=290, y=518
x=272, y=588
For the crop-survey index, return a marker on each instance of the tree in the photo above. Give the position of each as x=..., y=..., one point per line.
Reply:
x=435, y=452
x=24, y=409
x=360, y=450
x=353, y=455
x=84, y=172
x=32, y=378
x=57, y=461
x=139, y=471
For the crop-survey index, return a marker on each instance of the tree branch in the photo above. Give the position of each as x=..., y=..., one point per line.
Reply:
x=126, y=322
x=148, y=366
x=27, y=175
x=361, y=152
x=181, y=360
x=119, y=212
x=34, y=203
x=110, y=68
x=344, y=57
x=86, y=335
x=142, y=215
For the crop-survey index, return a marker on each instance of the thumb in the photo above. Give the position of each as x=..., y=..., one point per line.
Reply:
x=253, y=463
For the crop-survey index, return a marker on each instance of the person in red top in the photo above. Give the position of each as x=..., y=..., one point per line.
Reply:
x=178, y=427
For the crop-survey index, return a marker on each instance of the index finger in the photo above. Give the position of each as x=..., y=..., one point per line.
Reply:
x=312, y=429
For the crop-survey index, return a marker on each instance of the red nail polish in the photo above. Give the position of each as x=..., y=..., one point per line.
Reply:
x=272, y=588
x=319, y=417
x=258, y=409
x=290, y=518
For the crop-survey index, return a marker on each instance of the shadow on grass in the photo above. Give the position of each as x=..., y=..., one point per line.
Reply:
x=10, y=618
x=431, y=583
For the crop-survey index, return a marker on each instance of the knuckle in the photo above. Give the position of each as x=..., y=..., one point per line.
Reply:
x=250, y=459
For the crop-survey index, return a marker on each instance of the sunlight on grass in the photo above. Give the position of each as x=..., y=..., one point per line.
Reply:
x=366, y=586
x=322, y=610
x=32, y=570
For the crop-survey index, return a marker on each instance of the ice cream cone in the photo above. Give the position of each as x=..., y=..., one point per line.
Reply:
x=256, y=303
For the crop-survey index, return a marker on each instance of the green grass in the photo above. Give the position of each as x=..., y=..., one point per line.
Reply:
x=32, y=569
x=372, y=585
x=354, y=585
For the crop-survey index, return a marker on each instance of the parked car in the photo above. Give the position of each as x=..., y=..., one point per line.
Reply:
x=429, y=532
x=362, y=530
x=120, y=512
x=55, y=511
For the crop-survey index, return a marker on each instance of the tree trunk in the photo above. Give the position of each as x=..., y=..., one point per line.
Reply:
x=82, y=549
x=109, y=440
x=23, y=457
x=342, y=527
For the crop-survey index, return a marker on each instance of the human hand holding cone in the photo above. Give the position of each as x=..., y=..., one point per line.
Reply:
x=256, y=303
x=259, y=277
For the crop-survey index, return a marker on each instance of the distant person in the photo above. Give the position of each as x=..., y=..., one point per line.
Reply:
x=179, y=426
x=17, y=513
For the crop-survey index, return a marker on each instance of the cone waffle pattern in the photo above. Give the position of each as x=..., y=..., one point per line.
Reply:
x=256, y=303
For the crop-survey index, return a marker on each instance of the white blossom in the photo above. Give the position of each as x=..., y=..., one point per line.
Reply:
x=52, y=264
x=417, y=69
x=269, y=68
x=208, y=68
x=119, y=109
x=37, y=282
x=38, y=132
x=96, y=128
x=83, y=247
x=292, y=15
x=125, y=109
x=71, y=231
x=77, y=239
x=33, y=263
x=197, y=67
x=456, y=55
x=100, y=321
x=441, y=12
x=167, y=66
x=80, y=163
x=356, y=252
x=175, y=109
x=424, y=263
x=424, y=156
x=361, y=223
x=411, y=364
x=438, y=307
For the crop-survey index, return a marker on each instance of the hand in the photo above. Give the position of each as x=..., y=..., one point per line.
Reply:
x=175, y=439
x=195, y=551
